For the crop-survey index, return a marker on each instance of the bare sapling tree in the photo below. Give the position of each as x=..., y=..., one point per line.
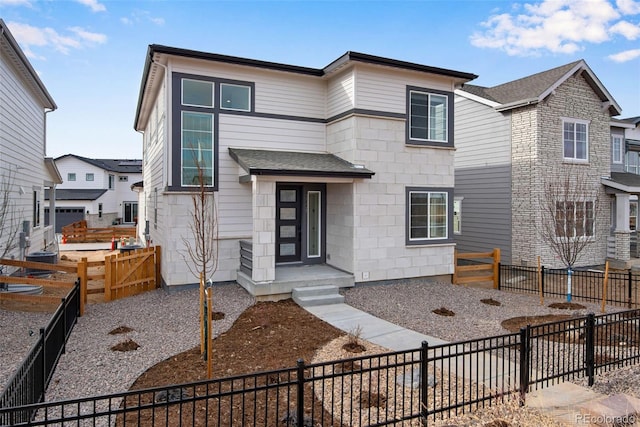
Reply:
x=569, y=208
x=202, y=241
x=9, y=218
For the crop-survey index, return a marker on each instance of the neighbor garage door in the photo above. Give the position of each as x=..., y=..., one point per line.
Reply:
x=64, y=216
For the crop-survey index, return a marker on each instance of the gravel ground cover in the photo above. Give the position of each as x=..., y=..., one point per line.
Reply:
x=164, y=324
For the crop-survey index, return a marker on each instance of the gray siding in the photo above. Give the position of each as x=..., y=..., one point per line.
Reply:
x=483, y=177
x=486, y=210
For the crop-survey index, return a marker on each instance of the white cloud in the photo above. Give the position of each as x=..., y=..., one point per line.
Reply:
x=557, y=26
x=94, y=5
x=626, y=29
x=628, y=7
x=627, y=55
x=88, y=36
x=15, y=3
x=29, y=37
x=139, y=16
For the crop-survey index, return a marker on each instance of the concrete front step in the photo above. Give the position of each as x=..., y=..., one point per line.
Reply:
x=316, y=295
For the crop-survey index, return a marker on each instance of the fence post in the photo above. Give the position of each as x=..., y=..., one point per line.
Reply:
x=64, y=324
x=542, y=285
x=82, y=275
x=455, y=267
x=496, y=268
x=43, y=338
x=158, y=259
x=108, y=276
x=590, y=358
x=630, y=289
x=499, y=276
x=300, y=394
x=424, y=380
x=525, y=349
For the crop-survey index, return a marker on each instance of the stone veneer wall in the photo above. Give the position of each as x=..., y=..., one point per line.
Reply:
x=537, y=157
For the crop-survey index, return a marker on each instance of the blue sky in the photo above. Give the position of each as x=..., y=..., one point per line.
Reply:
x=90, y=53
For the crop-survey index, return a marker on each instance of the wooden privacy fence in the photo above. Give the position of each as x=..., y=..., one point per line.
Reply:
x=131, y=273
x=123, y=274
x=483, y=267
x=78, y=232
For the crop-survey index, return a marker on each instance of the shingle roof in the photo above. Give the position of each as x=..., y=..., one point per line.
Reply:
x=111, y=165
x=76, y=194
x=267, y=162
x=626, y=178
x=537, y=86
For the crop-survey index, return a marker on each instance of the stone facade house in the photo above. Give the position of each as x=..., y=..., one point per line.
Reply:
x=517, y=137
x=342, y=173
x=25, y=172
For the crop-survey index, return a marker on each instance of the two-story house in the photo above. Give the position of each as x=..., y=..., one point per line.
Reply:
x=623, y=184
x=98, y=190
x=348, y=167
x=518, y=138
x=25, y=172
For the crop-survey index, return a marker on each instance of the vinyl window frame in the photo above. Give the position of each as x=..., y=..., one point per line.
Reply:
x=448, y=141
x=574, y=158
x=414, y=241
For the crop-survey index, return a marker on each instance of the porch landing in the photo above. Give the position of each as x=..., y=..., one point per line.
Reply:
x=295, y=276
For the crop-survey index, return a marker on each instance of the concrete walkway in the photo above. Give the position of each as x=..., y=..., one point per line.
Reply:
x=566, y=402
x=491, y=370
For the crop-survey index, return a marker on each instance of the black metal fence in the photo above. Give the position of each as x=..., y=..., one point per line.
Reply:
x=29, y=382
x=423, y=385
x=586, y=285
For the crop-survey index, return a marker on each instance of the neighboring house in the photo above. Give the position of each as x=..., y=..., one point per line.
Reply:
x=25, y=172
x=624, y=185
x=514, y=138
x=348, y=168
x=98, y=190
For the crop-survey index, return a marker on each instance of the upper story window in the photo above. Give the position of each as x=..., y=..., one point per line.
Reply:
x=89, y=177
x=617, y=148
x=71, y=177
x=112, y=182
x=428, y=215
x=197, y=93
x=430, y=117
x=632, y=162
x=197, y=148
x=235, y=97
x=575, y=137
x=197, y=103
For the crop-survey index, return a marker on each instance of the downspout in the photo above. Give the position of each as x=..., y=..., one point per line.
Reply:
x=167, y=134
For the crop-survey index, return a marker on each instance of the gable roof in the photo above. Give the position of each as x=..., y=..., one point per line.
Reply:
x=268, y=162
x=151, y=67
x=110, y=165
x=536, y=87
x=17, y=57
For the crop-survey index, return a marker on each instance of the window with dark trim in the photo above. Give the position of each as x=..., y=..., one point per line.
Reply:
x=36, y=208
x=112, y=182
x=197, y=103
x=71, y=176
x=429, y=117
x=89, y=177
x=428, y=215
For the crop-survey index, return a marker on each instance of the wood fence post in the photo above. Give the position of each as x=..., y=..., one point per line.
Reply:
x=158, y=251
x=455, y=267
x=496, y=267
x=83, y=276
x=108, y=277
